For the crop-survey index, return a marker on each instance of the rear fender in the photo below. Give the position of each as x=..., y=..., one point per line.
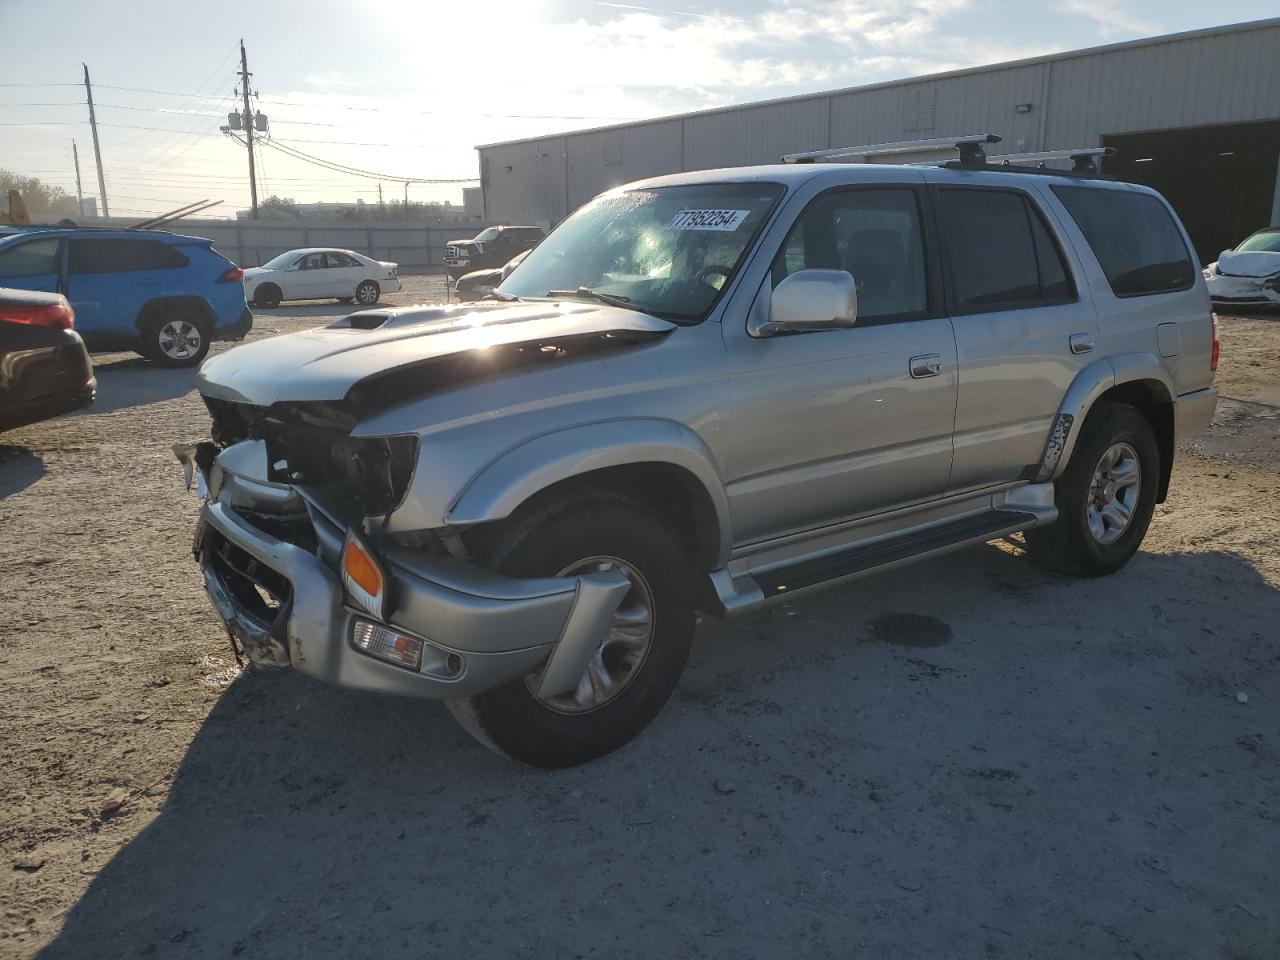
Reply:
x=1090, y=384
x=512, y=478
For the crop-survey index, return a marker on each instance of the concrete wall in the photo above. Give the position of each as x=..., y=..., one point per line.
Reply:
x=1206, y=77
x=249, y=243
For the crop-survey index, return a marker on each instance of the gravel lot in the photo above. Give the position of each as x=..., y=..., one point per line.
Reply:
x=1070, y=769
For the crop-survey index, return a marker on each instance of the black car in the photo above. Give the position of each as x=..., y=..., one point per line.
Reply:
x=491, y=247
x=480, y=283
x=44, y=367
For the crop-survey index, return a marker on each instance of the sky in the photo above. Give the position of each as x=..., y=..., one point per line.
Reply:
x=408, y=88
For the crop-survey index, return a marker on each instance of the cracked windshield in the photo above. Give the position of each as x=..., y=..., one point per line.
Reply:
x=668, y=251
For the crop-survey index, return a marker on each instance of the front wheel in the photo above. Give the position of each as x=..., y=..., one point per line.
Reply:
x=267, y=295
x=1105, y=497
x=640, y=655
x=368, y=293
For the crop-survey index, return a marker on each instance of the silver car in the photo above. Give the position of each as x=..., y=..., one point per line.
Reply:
x=700, y=394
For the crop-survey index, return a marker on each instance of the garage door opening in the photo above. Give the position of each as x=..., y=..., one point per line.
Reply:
x=1220, y=179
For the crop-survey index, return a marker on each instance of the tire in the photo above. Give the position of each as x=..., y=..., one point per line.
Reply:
x=1087, y=540
x=595, y=719
x=175, y=339
x=368, y=293
x=268, y=295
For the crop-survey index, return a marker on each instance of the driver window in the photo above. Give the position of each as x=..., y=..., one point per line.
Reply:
x=873, y=234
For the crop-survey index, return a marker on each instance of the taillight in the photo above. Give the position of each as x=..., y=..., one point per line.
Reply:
x=57, y=316
x=1217, y=345
x=232, y=275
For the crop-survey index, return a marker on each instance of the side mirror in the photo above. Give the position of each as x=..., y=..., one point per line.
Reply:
x=806, y=301
x=1224, y=253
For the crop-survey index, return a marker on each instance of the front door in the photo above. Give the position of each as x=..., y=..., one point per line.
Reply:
x=308, y=278
x=32, y=265
x=1019, y=322
x=837, y=424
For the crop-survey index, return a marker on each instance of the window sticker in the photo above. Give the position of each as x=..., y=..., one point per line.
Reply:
x=723, y=221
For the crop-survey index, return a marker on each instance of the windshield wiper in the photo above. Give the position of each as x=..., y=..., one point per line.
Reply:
x=499, y=295
x=612, y=299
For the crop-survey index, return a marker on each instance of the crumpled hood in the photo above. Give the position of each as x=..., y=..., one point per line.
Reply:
x=1249, y=263
x=326, y=363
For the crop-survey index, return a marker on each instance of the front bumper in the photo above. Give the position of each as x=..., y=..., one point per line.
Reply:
x=1243, y=291
x=500, y=628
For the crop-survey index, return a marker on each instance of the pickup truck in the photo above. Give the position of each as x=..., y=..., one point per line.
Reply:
x=701, y=394
x=489, y=249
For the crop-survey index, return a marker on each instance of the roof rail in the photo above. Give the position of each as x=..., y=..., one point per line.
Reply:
x=972, y=149
x=1083, y=160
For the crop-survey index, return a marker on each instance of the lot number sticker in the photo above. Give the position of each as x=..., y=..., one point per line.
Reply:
x=722, y=220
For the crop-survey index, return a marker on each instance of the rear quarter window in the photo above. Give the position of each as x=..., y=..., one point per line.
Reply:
x=1134, y=238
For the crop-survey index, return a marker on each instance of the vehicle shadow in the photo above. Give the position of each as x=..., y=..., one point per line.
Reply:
x=812, y=789
x=126, y=380
x=19, y=469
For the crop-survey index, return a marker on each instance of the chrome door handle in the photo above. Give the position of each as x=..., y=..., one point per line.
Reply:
x=1081, y=342
x=926, y=365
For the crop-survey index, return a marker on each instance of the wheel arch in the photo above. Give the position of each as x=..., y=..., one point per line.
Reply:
x=1137, y=380
x=661, y=464
x=198, y=306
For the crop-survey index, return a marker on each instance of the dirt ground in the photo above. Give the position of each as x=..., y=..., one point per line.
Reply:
x=1070, y=769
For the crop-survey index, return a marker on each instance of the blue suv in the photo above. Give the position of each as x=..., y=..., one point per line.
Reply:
x=164, y=295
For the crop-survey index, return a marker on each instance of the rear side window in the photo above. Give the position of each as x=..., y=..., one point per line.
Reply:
x=121, y=256
x=32, y=259
x=1001, y=254
x=341, y=260
x=1134, y=238
x=876, y=235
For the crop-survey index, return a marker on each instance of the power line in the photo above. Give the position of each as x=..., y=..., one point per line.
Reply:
x=355, y=171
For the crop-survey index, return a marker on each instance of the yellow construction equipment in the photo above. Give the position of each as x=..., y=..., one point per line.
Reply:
x=17, y=214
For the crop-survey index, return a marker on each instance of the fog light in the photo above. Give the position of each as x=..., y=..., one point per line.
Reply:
x=386, y=644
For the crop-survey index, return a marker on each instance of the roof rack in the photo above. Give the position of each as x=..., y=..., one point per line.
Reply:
x=1083, y=160
x=972, y=149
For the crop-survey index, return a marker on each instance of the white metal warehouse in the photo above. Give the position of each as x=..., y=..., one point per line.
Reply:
x=1196, y=115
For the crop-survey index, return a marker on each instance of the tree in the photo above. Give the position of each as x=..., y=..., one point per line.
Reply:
x=44, y=202
x=280, y=207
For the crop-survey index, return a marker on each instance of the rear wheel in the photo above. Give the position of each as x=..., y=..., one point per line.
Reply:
x=175, y=340
x=1105, y=497
x=368, y=293
x=640, y=655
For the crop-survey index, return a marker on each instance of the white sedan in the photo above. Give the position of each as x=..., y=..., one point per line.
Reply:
x=319, y=273
x=1249, y=275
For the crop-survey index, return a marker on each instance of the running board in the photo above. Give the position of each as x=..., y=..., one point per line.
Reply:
x=862, y=558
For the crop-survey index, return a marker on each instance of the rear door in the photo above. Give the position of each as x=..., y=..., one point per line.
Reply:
x=345, y=273
x=1022, y=330
x=110, y=280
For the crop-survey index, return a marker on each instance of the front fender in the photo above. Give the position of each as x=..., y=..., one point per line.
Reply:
x=1091, y=383
x=515, y=476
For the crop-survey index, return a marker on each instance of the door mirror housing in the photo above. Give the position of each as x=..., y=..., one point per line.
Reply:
x=805, y=302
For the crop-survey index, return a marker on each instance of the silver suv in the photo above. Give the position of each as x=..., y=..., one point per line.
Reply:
x=701, y=393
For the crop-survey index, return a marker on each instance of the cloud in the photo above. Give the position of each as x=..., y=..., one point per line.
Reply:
x=1114, y=18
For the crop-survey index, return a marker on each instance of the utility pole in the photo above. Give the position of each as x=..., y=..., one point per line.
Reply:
x=79, y=194
x=406, y=199
x=380, y=206
x=248, y=127
x=97, y=150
